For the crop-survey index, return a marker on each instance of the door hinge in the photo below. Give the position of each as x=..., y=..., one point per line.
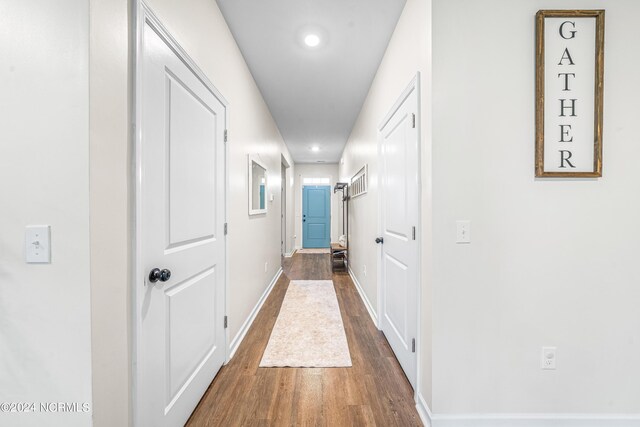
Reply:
x=413, y=121
x=226, y=134
x=226, y=323
x=226, y=228
x=413, y=232
x=413, y=345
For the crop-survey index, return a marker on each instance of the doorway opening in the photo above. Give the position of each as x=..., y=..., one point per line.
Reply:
x=316, y=216
x=284, y=244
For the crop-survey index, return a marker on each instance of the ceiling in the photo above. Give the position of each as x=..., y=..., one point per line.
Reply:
x=314, y=93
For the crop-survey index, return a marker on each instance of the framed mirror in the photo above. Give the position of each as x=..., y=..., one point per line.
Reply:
x=257, y=186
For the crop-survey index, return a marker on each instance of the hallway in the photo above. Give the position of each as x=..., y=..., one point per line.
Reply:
x=164, y=163
x=373, y=392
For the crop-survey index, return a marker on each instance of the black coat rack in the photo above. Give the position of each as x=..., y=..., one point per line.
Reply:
x=339, y=254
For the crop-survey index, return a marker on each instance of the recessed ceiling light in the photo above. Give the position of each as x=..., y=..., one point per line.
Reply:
x=315, y=148
x=312, y=40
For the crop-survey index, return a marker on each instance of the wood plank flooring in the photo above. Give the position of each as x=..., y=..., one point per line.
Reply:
x=373, y=392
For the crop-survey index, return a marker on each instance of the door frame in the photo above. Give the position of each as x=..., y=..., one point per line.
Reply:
x=300, y=187
x=283, y=210
x=414, y=86
x=142, y=14
x=302, y=207
x=283, y=206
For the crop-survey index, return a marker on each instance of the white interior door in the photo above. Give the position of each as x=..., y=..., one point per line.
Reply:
x=180, y=336
x=399, y=190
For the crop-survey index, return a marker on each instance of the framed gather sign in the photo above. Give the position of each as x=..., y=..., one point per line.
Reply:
x=569, y=93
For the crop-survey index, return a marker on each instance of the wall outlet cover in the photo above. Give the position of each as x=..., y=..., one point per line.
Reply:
x=549, y=355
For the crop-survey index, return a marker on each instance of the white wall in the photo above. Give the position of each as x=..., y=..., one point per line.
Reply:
x=408, y=52
x=553, y=262
x=548, y=264
x=44, y=174
x=307, y=170
x=110, y=211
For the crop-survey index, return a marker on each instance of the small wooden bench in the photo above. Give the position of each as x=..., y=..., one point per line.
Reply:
x=338, y=255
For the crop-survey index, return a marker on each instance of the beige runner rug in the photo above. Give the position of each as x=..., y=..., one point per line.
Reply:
x=314, y=251
x=309, y=331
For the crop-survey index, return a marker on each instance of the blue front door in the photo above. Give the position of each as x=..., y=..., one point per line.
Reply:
x=316, y=216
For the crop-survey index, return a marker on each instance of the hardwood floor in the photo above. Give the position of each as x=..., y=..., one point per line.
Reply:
x=373, y=392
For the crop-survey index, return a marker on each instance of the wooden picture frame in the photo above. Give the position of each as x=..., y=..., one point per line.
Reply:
x=567, y=88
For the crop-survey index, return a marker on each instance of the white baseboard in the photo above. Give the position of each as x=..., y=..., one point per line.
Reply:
x=290, y=254
x=522, y=420
x=364, y=298
x=535, y=420
x=527, y=420
x=423, y=410
x=235, y=343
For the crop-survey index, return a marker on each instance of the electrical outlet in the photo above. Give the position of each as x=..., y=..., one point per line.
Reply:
x=364, y=269
x=548, y=358
x=266, y=266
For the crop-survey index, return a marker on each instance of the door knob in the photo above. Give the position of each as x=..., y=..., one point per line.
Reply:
x=379, y=240
x=161, y=275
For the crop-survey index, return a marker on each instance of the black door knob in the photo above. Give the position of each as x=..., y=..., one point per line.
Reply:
x=379, y=240
x=161, y=275
x=165, y=275
x=154, y=275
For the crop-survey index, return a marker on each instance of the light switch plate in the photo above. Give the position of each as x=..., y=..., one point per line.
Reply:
x=38, y=244
x=463, y=231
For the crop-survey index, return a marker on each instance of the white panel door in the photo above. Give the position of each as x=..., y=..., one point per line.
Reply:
x=181, y=338
x=399, y=191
